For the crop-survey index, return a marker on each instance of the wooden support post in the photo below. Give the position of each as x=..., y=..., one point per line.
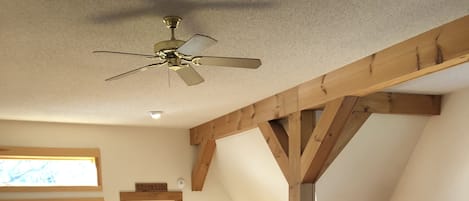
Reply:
x=200, y=170
x=294, y=154
x=329, y=127
x=277, y=139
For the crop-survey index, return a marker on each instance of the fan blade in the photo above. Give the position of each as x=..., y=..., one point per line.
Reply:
x=125, y=53
x=189, y=75
x=196, y=44
x=227, y=62
x=140, y=69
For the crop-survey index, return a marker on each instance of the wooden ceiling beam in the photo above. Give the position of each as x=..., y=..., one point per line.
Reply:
x=432, y=51
x=200, y=169
x=400, y=103
x=277, y=136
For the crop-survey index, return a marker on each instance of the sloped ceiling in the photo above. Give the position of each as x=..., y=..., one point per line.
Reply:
x=47, y=71
x=442, y=82
x=367, y=169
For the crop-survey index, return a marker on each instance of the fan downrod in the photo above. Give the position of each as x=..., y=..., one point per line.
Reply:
x=172, y=23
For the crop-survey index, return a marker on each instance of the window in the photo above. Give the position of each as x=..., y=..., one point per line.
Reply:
x=49, y=169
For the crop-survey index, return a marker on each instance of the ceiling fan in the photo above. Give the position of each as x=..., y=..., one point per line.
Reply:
x=181, y=55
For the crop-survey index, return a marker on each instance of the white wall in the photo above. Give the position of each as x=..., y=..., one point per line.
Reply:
x=367, y=169
x=371, y=164
x=129, y=155
x=247, y=168
x=439, y=166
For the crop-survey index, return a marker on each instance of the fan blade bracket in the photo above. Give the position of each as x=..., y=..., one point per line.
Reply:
x=196, y=61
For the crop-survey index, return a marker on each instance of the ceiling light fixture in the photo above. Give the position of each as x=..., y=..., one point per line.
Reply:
x=156, y=114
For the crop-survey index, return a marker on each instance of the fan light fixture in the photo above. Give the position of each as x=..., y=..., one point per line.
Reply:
x=156, y=114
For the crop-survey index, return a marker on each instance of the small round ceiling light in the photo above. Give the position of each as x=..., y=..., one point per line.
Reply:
x=156, y=114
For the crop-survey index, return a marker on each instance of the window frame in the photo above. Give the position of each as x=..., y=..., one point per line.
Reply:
x=58, y=199
x=12, y=152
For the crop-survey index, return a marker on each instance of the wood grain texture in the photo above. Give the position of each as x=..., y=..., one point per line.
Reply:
x=432, y=51
x=400, y=103
x=271, y=131
x=202, y=165
x=137, y=196
x=274, y=107
x=294, y=155
x=328, y=128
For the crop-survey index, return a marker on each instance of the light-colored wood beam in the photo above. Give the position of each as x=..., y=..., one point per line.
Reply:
x=200, y=170
x=354, y=123
x=275, y=135
x=274, y=107
x=294, y=156
x=400, y=103
x=432, y=51
x=328, y=128
x=387, y=103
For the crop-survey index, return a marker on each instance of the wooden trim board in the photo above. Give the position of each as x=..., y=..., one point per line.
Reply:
x=139, y=196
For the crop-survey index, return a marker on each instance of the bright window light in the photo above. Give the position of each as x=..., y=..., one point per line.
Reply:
x=34, y=169
x=48, y=171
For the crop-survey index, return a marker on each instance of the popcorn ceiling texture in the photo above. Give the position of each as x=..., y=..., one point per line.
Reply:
x=49, y=74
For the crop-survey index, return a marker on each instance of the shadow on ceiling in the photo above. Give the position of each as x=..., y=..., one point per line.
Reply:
x=183, y=8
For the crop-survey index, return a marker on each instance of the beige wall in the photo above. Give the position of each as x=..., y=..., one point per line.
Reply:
x=248, y=170
x=439, y=166
x=129, y=155
x=366, y=170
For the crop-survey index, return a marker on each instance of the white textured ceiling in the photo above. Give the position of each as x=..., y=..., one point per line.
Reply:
x=47, y=71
